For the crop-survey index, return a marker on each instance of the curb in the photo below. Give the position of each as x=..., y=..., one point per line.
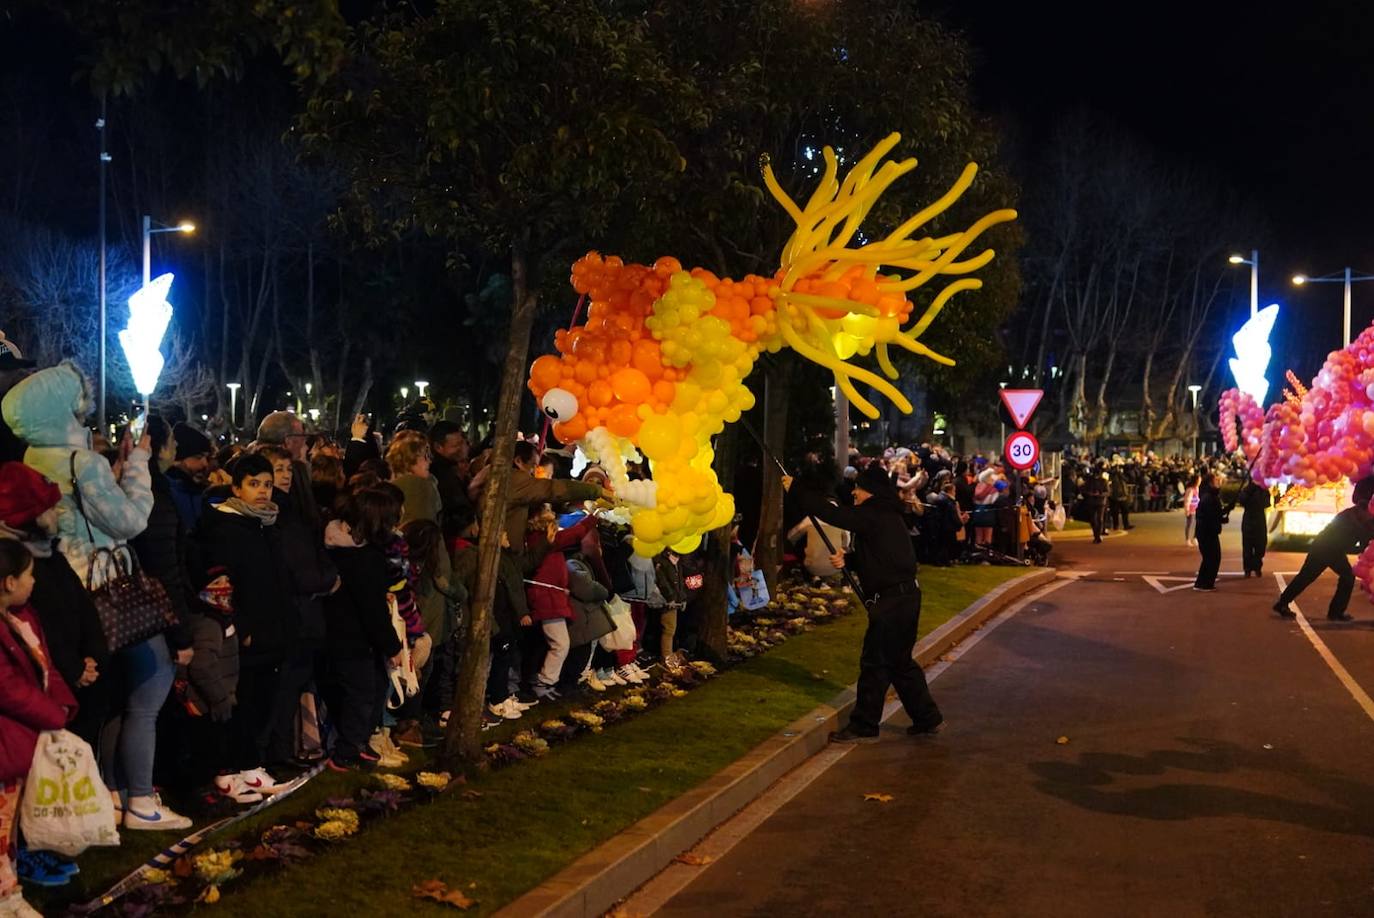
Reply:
x=595, y=882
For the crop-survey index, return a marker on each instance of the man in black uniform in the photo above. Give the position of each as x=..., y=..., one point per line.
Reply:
x=1094, y=496
x=885, y=563
x=1347, y=534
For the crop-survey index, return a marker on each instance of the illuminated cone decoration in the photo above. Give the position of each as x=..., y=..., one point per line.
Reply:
x=149, y=313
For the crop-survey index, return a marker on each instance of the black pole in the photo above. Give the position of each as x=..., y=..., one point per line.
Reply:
x=104, y=159
x=830, y=546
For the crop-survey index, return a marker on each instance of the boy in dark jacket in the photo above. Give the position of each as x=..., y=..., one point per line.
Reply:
x=668, y=575
x=211, y=684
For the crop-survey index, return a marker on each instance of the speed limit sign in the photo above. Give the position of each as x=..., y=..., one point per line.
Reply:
x=1022, y=450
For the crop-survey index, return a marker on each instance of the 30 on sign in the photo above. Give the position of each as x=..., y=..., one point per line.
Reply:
x=1022, y=450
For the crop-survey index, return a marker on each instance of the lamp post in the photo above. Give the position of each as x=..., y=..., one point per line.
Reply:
x=148, y=232
x=1194, y=390
x=1346, y=277
x=1253, y=262
x=405, y=393
x=422, y=385
x=233, y=388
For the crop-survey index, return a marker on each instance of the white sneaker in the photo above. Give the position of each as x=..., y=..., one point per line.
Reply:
x=150, y=814
x=521, y=705
x=236, y=789
x=628, y=674
x=643, y=676
x=611, y=677
x=590, y=680
x=505, y=709
x=14, y=906
x=259, y=780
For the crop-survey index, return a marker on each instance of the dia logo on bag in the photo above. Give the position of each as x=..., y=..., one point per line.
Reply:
x=65, y=807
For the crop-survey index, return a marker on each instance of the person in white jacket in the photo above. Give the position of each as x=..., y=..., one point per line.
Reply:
x=817, y=559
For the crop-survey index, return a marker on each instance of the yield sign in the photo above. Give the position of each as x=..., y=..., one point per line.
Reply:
x=1021, y=404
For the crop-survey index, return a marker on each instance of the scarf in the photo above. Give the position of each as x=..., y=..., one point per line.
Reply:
x=26, y=636
x=266, y=514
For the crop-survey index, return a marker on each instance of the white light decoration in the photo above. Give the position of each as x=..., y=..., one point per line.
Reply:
x=1253, y=353
x=149, y=315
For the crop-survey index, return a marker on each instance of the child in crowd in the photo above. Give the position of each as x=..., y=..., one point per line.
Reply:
x=437, y=597
x=209, y=685
x=33, y=698
x=673, y=591
x=359, y=638
x=547, y=592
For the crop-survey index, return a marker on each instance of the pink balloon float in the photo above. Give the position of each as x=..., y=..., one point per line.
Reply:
x=1316, y=437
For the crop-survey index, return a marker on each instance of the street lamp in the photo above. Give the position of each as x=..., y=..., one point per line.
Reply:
x=1253, y=262
x=149, y=230
x=405, y=393
x=1194, y=389
x=1346, y=277
x=233, y=402
x=422, y=385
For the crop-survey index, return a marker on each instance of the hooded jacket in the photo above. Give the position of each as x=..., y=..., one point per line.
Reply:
x=46, y=411
x=26, y=709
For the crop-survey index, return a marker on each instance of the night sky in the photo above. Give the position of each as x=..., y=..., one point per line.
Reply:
x=1278, y=104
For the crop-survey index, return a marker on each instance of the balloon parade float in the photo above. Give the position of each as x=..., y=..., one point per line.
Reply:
x=658, y=366
x=1314, y=440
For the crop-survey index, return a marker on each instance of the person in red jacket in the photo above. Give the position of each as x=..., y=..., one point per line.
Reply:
x=547, y=592
x=33, y=698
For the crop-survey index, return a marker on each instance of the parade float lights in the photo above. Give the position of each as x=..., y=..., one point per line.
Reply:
x=1253, y=353
x=658, y=366
x=141, y=338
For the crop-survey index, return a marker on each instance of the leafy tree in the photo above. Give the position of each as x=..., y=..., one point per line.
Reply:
x=520, y=128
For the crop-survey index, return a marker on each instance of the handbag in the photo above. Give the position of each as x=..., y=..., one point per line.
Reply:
x=65, y=807
x=624, y=635
x=132, y=607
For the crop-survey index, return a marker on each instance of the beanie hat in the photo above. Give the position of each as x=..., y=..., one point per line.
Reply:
x=24, y=495
x=190, y=442
x=875, y=481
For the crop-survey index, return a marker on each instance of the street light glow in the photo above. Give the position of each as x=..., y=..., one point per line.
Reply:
x=1236, y=260
x=1299, y=279
x=186, y=226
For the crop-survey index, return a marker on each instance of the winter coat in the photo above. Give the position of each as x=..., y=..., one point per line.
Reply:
x=1210, y=515
x=357, y=616
x=422, y=500
x=265, y=615
x=70, y=622
x=213, y=675
x=644, y=583
x=434, y=590
x=1255, y=499
x=883, y=556
x=188, y=495
x=586, y=596
x=162, y=553
x=356, y=453
x=547, y=588
x=509, y=605
x=307, y=563
x=1347, y=534
x=453, y=490
x=46, y=410
x=526, y=491
x=668, y=577
x=25, y=708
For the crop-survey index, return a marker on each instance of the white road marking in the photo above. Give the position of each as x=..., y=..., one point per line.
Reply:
x=677, y=876
x=1360, y=695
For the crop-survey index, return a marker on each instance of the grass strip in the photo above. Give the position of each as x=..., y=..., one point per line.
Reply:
x=537, y=816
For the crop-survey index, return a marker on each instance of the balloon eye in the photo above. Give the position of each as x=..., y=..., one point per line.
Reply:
x=559, y=404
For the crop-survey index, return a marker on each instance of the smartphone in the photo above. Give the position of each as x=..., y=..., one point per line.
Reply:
x=137, y=426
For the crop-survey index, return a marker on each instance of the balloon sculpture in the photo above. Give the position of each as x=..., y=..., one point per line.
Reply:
x=1316, y=436
x=658, y=367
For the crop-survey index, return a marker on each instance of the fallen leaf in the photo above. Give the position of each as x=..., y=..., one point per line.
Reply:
x=429, y=889
x=694, y=860
x=471, y=794
x=459, y=901
x=881, y=798
x=1063, y=741
x=182, y=868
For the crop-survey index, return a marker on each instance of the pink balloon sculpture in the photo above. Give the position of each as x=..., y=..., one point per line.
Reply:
x=1320, y=437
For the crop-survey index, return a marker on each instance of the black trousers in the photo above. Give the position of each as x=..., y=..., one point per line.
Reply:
x=1253, y=542
x=886, y=661
x=1209, y=546
x=1121, y=512
x=297, y=677
x=1312, y=568
x=1097, y=516
x=359, y=686
x=251, y=723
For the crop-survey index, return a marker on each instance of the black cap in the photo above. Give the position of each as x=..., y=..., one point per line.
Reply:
x=10, y=356
x=875, y=481
x=190, y=442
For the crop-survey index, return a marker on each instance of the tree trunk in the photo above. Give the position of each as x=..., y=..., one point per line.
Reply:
x=768, y=546
x=463, y=742
x=715, y=611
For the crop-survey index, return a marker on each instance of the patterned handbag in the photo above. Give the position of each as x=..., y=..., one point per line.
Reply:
x=131, y=605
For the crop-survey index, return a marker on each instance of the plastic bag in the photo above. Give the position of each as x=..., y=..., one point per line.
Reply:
x=405, y=681
x=623, y=637
x=66, y=807
x=1058, y=517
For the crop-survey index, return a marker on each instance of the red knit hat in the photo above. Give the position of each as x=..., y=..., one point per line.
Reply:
x=24, y=494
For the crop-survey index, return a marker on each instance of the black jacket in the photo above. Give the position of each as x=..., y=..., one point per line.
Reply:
x=1347, y=534
x=264, y=613
x=162, y=551
x=1210, y=515
x=453, y=490
x=883, y=557
x=356, y=453
x=213, y=674
x=188, y=495
x=357, y=616
x=1255, y=500
x=307, y=563
x=68, y=617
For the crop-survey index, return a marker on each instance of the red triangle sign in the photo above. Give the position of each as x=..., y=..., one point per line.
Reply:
x=1021, y=404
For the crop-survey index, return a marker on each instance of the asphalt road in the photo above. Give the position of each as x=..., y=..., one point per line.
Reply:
x=1215, y=764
